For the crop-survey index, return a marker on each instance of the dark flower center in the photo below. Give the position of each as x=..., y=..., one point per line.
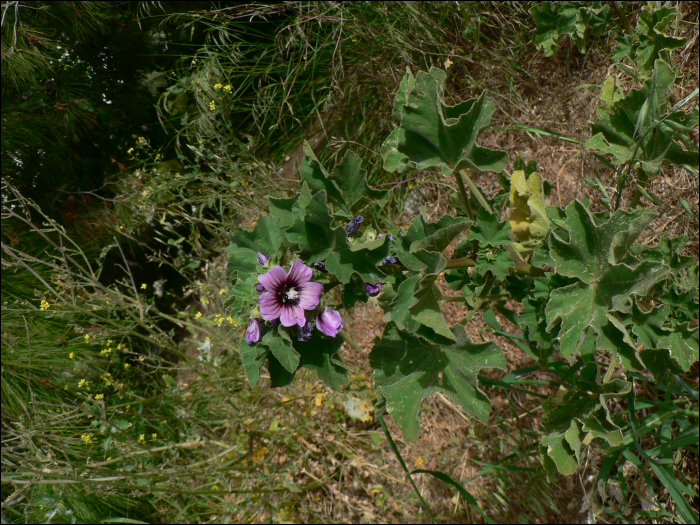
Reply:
x=289, y=295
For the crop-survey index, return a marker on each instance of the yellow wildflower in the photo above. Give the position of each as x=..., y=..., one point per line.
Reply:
x=207, y=338
x=204, y=300
x=199, y=314
x=144, y=286
x=218, y=86
x=87, y=338
x=231, y=321
x=127, y=366
x=223, y=291
x=83, y=383
x=99, y=396
x=154, y=435
x=71, y=355
x=44, y=305
x=87, y=438
x=106, y=351
x=142, y=439
x=228, y=88
x=130, y=151
x=219, y=319
x=142, y=140
x=212, y=105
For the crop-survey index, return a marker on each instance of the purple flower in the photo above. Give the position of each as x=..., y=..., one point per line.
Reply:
x=304, y=332
x=373, y=289
x=252, y=334
x=353, y=225
x=321, y=267
x=289, y=294
x=259, y=288
x=329, y=322
x=391, y=237
x=262, y=259
x=390, y=259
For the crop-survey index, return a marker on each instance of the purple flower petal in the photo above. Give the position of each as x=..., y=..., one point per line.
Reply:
x=309, y=295
x=253, y=333
x=274, y=279
x=270, y=306
x=299, y=274
x=262, y=258
x=292, y=314
x=329, y=322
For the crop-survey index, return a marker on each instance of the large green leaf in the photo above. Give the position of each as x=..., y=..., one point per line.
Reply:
x=635, y=128
x=281, y=347
x=351, y=179
x=592, y=255
x=266, y=237
x=435, y=136
x=489, y=231
x=347, y=258
x=408, y=370
x=320, y=353
x=426, y=307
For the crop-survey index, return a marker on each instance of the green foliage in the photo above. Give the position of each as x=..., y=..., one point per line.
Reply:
x=649, y=42
x=434, y=136
x=407, y=370
x=555, y=20
x=639, y=127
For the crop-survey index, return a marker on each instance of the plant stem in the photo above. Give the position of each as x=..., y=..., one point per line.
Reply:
x=449, y=299
x=403, y=464
x=520, y=267
x=463, y=192
x=477, y=192
x=623, y=18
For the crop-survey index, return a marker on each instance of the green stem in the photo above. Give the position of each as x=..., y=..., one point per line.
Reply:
x=623, y=18
x=449, y=299
x=520, y=267
x=481, y=300
x=403, y=464
x=477, y=192
x=463, y=192
x=642, y=177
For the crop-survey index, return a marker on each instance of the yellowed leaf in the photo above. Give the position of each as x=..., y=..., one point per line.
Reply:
x=359, y=409
x=319, y=399
x=259, y=454
x=419, y=462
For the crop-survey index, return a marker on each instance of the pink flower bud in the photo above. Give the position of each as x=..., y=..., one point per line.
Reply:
x=329, y=322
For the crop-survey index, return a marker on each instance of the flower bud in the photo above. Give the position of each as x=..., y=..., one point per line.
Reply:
x=259, y=288
x=353, y=225
x=304, y=332
x=262, y=258
x=254, y=331
x=321, y=267
x=373, y=289
x=390, y=259
x=329, y=322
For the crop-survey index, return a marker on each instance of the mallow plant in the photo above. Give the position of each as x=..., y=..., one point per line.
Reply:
x=596, y=307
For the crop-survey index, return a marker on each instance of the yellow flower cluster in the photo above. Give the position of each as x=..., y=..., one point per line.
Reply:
x=99, y=396
x=84, y=384
x=212, y=105
x=107, y=378
x=223, y=291
x=218, y=86
x=219, y=319
x=142, y=140
x=44, y=305
x=130, y=151
x=142, y=439
x=204, y=300
x=106, y=351
x=199, y=315
x=144, y=286
x=87, y=338
x=87, y=438
x=127, y=366
x=228, y=88
x=71, y=355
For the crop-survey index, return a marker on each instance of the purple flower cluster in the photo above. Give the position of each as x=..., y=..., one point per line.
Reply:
x=285, y=300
